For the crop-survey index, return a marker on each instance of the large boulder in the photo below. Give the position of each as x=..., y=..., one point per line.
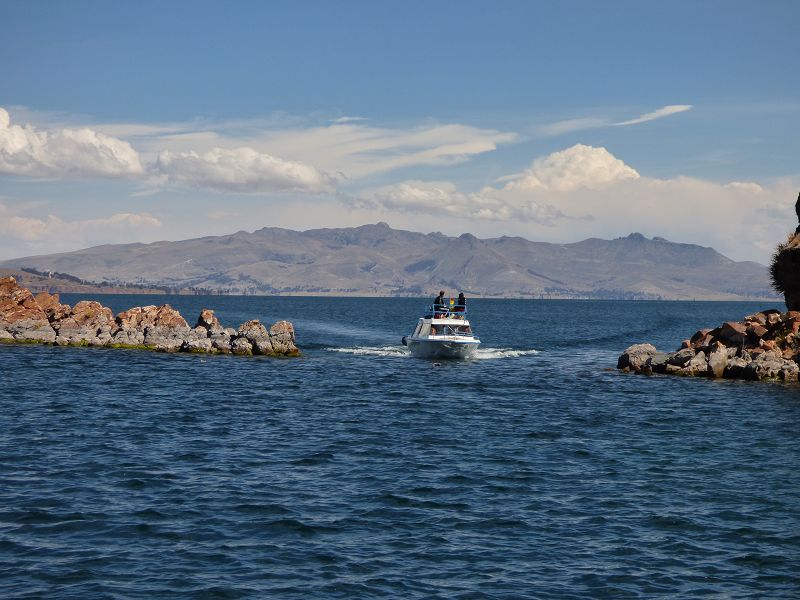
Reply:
x=717, y=360
x=21, y=318
x=258, y=336
x=87, y=322
x=157, y=327
x=197, y=340
x=636, y=356
x=281, y=336
x=209, y=321
x=51, y=305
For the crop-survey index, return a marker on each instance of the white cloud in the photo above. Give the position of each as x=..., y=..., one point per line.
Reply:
x=664, y=111
x=239, y=170
x=31, y=229
x=347, y=119
x=584, y=123
x=442, y=198
x=255, y=156
x=577, y=167
x=81, y=153
x=357, y=151
x=589, y=192
x=745, y=186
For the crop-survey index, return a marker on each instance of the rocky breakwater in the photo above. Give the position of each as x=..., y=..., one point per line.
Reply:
x=765, y=345
x=43, y=319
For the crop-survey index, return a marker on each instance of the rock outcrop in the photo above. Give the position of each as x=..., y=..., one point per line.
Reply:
x=43, y=319
x=765, y=345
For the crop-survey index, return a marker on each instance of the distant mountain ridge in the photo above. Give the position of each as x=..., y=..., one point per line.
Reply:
x=376, y=260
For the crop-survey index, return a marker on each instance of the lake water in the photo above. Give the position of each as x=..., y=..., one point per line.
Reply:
x=536, y=470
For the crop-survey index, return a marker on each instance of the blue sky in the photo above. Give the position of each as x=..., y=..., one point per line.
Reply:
x=554, y=121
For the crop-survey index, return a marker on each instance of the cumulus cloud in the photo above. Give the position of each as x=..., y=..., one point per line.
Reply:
x=588, y=192
x=81, y=153
x=239, y=170
x=246, y=156
x=577, y=167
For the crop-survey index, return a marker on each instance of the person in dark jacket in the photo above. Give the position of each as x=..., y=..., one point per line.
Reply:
x=461, y=305
x=438, y=304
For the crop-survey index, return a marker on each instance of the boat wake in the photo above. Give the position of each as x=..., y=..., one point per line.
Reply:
x=493, y=353
x=373, y=351
x=399, y=351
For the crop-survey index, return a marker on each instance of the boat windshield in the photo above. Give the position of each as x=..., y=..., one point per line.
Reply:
x=452, y=330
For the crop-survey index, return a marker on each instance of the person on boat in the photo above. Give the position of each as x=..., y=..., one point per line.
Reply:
x=438, y=305
x=461, y=305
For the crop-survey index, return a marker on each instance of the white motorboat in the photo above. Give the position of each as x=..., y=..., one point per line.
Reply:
x=444, y=332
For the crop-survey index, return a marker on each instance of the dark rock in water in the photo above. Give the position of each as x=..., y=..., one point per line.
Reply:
x=44, y=319
x=636, y=356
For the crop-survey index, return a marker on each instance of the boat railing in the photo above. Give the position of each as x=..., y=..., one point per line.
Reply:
x=453, y=311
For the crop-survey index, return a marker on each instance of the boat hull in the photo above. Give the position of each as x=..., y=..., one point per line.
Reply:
x=442, y=348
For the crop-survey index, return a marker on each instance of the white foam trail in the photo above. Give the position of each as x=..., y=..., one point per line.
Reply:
x=373, y=351
x=492, y=353
x=480, y=354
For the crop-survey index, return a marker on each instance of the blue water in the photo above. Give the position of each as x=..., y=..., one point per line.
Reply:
x=355, y=471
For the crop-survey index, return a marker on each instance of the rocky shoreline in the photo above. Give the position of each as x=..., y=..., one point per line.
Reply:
x=25, y=318
x=763, y=346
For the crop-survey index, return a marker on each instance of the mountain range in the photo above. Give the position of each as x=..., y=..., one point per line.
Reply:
x=376, y=260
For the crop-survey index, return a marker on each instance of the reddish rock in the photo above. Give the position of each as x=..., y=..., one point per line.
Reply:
x=140, y=317
x=21, y=318
x=88, y=322
x=700, y=335
x=52, y=306
x=755, y=333
x=45, y=319
x=732, y=333
x=209, y=321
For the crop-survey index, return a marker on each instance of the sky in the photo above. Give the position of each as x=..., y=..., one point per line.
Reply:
x=136, y=122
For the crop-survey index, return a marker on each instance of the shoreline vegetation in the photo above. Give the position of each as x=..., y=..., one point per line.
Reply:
x=42, y=319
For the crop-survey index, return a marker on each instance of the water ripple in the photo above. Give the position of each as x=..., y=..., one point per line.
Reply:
x=353, y=472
